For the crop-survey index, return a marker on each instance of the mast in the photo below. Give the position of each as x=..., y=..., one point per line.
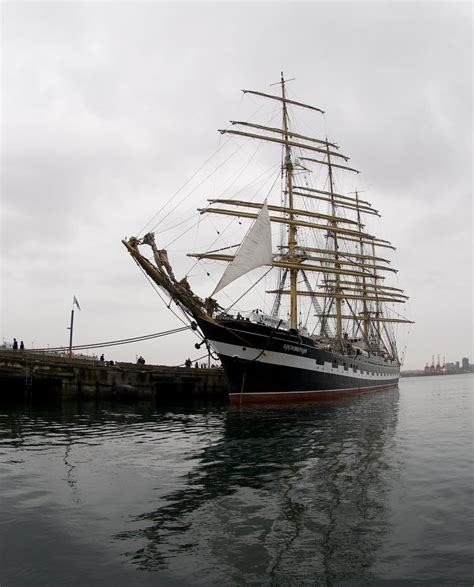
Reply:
x=378, y=309
x=292, y=243
x=364, y=282
x=337, y=264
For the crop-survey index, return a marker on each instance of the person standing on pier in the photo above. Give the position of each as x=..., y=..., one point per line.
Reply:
x=15, y=344
x=22, y=346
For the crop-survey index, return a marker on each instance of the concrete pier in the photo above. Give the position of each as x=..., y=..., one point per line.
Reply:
x=41, y=375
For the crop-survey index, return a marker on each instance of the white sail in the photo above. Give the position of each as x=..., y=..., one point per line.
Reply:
x=254, y=251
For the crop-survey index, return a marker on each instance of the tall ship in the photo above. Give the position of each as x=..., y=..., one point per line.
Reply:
x=327, y=324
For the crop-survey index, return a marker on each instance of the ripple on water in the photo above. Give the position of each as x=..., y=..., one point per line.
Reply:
x=371, y=490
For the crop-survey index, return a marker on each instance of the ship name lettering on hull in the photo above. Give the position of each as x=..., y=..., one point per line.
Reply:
x=296, y=349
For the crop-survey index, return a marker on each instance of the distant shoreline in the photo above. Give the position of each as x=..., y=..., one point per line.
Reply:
x=423, y=374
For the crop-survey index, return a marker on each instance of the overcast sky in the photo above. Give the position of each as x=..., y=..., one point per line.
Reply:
x=107, y=109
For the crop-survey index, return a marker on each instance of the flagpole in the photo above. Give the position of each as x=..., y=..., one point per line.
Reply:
x=70, y=328
x=70, y=331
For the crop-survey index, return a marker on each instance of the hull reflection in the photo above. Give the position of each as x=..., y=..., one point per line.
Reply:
x=291, y=494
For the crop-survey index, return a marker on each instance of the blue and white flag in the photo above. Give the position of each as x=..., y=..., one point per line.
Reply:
x=76, y=303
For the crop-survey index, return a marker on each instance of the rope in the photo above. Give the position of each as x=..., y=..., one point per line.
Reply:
x=247, y=291
x=197, y=360
x=168, y=305
x=176, y=193
x=118, y=342
x=189, y=193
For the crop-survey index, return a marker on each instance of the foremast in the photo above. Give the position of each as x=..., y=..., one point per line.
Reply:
x=337, y=264
x=292, y=230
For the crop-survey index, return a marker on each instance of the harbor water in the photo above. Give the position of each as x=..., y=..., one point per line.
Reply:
x=370, y=490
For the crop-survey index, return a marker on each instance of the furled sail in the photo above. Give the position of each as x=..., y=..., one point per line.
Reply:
x=255, y=250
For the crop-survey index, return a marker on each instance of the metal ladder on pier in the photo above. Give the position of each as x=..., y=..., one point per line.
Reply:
x=28, y=375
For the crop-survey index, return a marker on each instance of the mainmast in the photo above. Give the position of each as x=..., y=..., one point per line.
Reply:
x=365, y=313
x=292, y=243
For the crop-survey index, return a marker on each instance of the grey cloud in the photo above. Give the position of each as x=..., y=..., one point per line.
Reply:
x=109, y=107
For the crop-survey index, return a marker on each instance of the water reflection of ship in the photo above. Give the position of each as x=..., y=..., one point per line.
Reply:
x=294, y=494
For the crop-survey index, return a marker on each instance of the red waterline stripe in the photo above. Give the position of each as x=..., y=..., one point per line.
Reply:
x=298, y=396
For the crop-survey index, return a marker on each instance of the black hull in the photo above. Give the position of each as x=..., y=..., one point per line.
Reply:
x=263, y=365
